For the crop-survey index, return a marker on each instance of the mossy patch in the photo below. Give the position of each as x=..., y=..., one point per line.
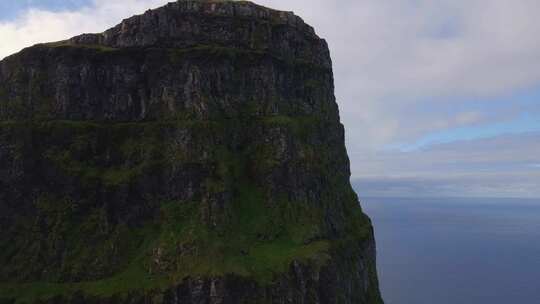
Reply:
x=67, y=44
x=134, y=277
x=243, y=233
x=257, y=242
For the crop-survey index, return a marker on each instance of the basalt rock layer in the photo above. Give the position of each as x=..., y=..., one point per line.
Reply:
x=192, y=154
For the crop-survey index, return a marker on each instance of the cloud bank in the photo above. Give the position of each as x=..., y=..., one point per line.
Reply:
x=38, y=25
x=503, y=166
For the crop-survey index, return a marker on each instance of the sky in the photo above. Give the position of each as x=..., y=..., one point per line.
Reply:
x=438, y=98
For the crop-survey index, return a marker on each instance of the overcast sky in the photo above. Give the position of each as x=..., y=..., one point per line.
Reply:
x=439, y=98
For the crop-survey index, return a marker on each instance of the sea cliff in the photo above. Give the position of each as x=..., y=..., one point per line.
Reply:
x=191, y=154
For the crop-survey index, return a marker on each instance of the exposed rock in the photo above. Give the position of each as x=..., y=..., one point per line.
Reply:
x=192, y=154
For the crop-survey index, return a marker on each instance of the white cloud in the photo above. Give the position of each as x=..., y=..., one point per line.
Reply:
x=38, y=25
x=496, y=167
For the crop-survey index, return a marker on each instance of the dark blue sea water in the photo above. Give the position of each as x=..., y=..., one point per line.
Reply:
x=457, y=251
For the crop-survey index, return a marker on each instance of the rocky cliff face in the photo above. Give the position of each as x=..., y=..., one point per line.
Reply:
x=192, y=154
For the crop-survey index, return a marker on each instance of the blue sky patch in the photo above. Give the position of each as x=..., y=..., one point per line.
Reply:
x=524, y=124
x=11, y=9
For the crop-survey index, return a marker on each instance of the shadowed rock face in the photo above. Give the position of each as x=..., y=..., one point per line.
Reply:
x=191, y=59
x=241, y=25
x=192, y=154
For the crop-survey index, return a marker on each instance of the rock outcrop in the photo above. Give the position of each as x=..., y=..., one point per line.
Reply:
x=192, y=154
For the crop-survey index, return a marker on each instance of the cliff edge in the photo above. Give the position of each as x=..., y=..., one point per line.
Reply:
x=192, y=154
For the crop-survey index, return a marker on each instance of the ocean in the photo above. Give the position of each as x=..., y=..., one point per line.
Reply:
x=457, y=251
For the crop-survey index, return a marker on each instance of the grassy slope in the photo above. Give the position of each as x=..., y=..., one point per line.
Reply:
x=255, y=241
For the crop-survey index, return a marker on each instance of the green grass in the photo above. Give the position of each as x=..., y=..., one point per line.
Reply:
x=67, y=44
x=250, y=247
x=254, y=244
x=249, y=237
x=211, y=51
x=134, y=277
x=254, y=240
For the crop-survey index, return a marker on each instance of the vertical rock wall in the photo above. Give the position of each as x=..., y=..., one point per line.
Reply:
x=192, y=154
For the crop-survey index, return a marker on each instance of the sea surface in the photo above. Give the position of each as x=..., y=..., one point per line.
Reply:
x=457, y=251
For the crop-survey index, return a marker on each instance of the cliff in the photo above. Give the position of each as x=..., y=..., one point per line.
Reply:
x=192, y=154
